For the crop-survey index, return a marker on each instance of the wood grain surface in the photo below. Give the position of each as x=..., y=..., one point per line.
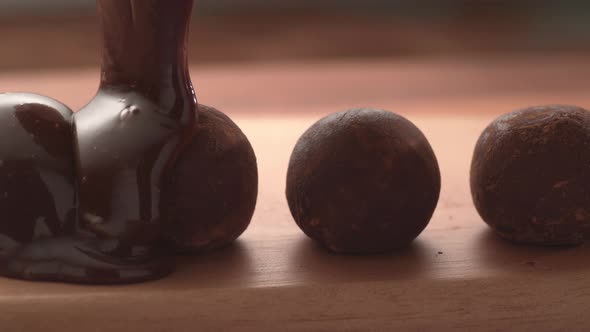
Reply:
x=457, y=275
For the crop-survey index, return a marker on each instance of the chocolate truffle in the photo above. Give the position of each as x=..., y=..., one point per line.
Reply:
x=530, y=175
x=210, y=195
x=36, y=170
x=120, y=146
x=363, y=181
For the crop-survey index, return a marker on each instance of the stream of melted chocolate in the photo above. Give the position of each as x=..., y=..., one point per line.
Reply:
x=81, y=200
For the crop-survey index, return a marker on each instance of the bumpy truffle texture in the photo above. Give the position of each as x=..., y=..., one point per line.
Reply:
x=530, y=175
x=210, y=195
x=363, y=181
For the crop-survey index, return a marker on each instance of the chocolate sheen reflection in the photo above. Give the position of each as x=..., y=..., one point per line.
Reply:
x=123, y=142
x=37, y=197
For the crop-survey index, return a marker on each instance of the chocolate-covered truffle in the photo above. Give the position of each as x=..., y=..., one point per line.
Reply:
x=210, y=195
x=131, y=134
x=116, y=152
x=36, y=170
x=530, y=175
x=363, y=181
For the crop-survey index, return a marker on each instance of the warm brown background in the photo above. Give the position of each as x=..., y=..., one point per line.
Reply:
x=49, y=34
x=275, y=72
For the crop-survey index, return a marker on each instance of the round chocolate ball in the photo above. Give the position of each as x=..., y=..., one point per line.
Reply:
x=530, y=175
x=363, y=181
x=209, y=197
x=36, y=170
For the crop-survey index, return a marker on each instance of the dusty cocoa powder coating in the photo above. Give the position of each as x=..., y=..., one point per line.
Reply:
x=210, y=195
x=530, y=175
x=363, y=181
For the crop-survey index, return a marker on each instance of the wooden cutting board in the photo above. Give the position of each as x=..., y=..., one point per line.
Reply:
x=457, y=275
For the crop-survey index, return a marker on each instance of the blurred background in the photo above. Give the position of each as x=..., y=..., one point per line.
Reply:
x=63, y=33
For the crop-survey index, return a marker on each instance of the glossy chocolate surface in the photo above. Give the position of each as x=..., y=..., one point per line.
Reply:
x=129, y=134
x=37, y=197
x=114, y=153
x=363, y=181
x=530, y=175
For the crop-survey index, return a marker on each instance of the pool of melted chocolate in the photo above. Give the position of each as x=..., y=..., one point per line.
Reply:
x=80, y=193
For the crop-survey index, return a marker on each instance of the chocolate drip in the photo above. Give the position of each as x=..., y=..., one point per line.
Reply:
x=124, y=141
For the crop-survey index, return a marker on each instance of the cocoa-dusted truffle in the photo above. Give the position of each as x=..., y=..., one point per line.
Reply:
x=530, y=175
x=363, y=181
x=210, y=195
